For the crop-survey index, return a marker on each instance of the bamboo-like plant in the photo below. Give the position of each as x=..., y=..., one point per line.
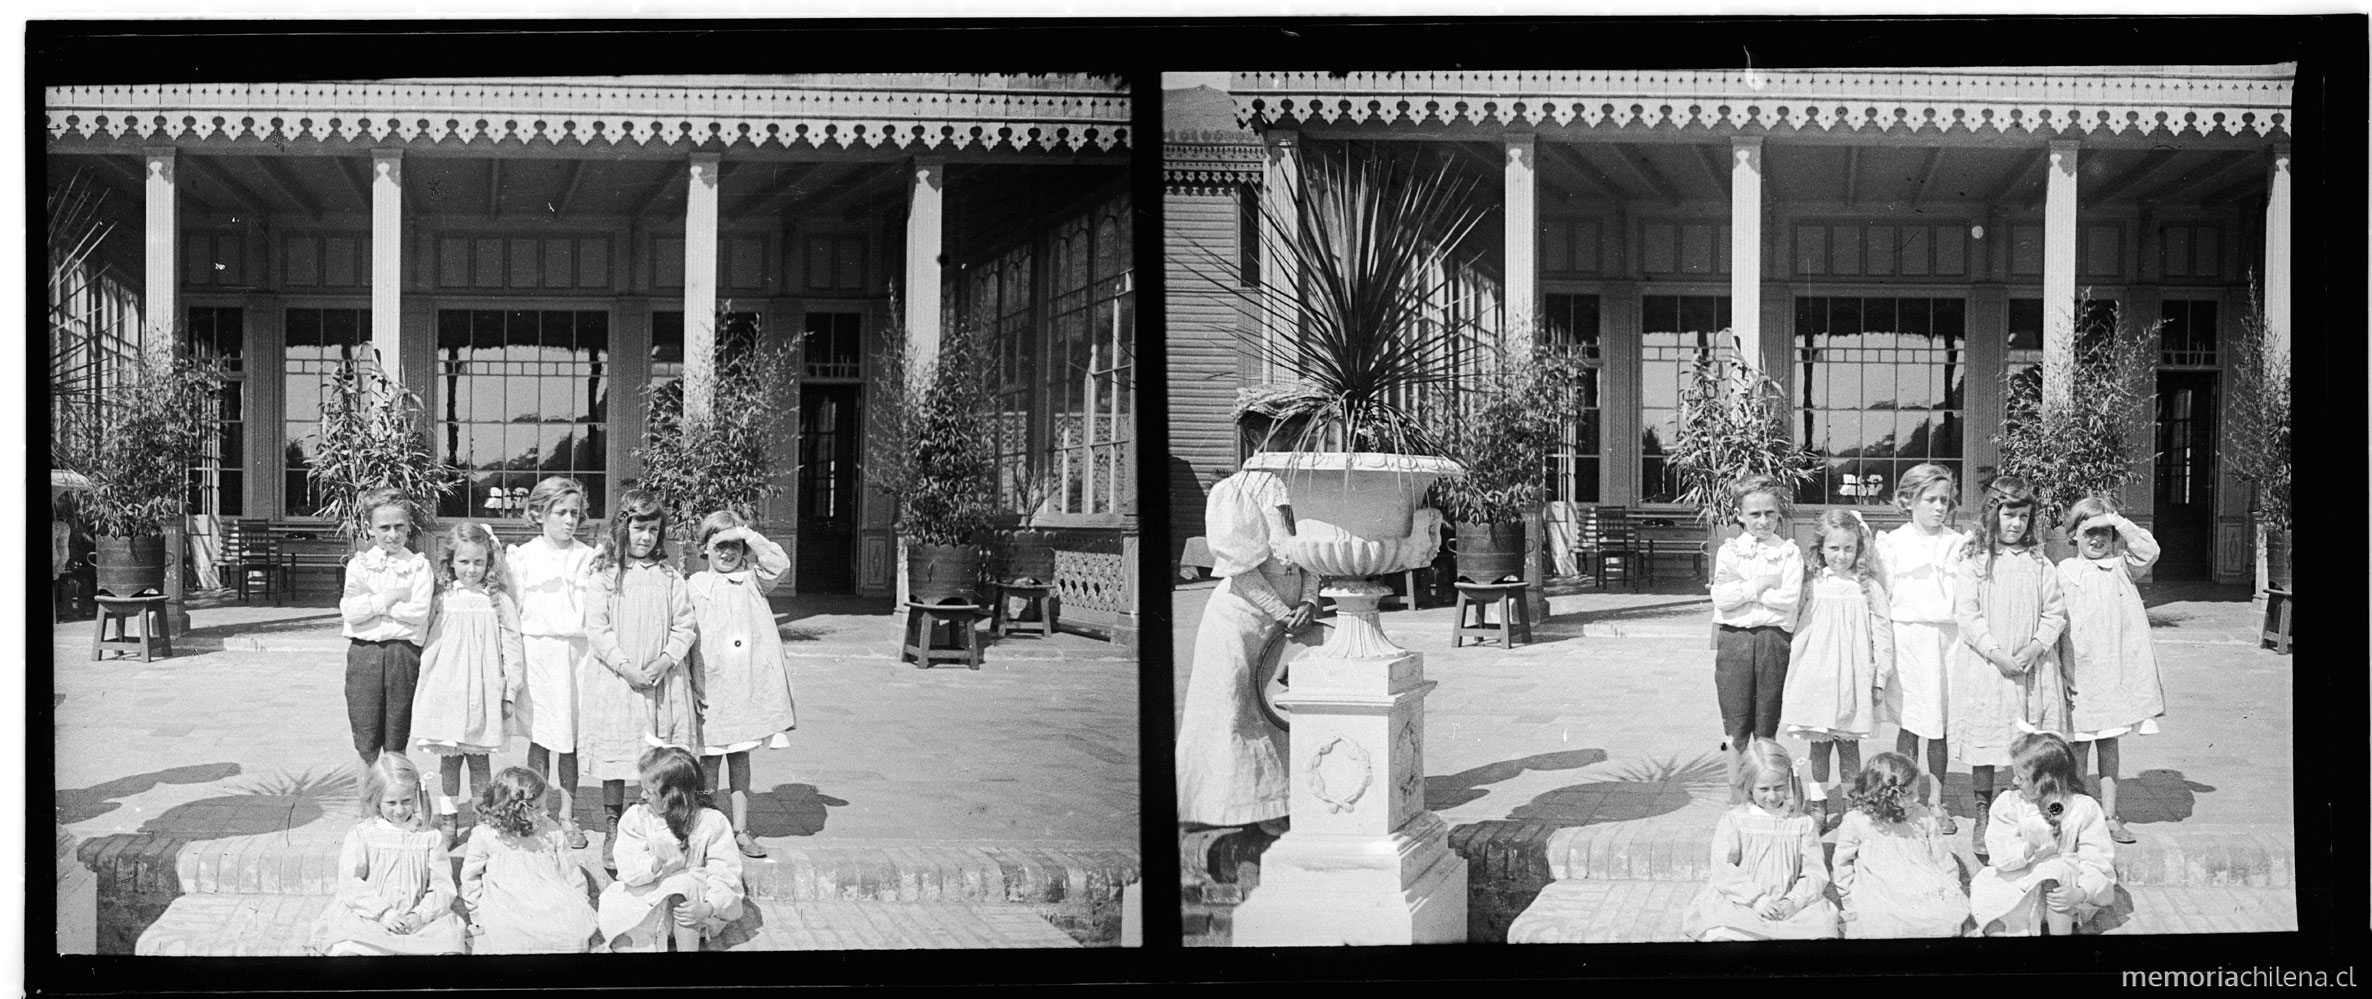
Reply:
x=717, y=461
x=139, y=445
x=374, y=433
x=1371, y=245
x=1733, y=424
x=930, y=439
x=2257, y=427
x=1503, y=430
x=2090, y=447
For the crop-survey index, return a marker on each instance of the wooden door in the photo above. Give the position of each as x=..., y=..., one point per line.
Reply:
x=829, y=434
x=2184, y=499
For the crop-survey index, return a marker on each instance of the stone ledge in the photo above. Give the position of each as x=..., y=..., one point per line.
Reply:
x=1647, y=911
x=273, y=925
x=1008, y=651
x=275, y=863
x=2258, y=856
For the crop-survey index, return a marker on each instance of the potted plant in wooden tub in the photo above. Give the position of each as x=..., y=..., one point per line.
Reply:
x=2257, y=440
x=1503, y=429
x=133, y=451
x=935, y=457
x=717, y=459
x=2091, y=443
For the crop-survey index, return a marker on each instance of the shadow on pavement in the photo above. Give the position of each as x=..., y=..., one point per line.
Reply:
x=1452, y=790
x=2160, y=795
x=1637, y=791
x=2159, y=593
x=138, y=871
x=790, y=810
x=80, y=804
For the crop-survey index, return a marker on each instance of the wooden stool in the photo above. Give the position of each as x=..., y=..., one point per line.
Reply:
x=923, y=621
x=1515, y=619
x=1034, y=596
x=148, y=611
x=2278, y=605
x=1407, y=597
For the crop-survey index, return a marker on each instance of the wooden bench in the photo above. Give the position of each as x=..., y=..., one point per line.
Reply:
x=1670, y=537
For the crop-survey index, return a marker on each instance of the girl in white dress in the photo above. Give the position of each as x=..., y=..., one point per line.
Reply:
x=395, y=877
x=470, y=672
x=550, y=575
x=638, y=687
x=745, y=683
x=2005, y=670
x=1769, y=881
x=1917, y=562
x=2053, y=864
x=523, y=893
x=2112, y=674
x=1231, y=758
x=1894, y=867
x=1843, y=650
x=679, y=877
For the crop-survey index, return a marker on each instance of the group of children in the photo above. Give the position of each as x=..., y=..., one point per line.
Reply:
x=603, y=655
x=1974, y=641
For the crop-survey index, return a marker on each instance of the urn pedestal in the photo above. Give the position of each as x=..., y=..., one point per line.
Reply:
x=1364, y=862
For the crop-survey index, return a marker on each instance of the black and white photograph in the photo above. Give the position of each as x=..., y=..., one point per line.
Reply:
x=1730, y=504
x=592, y=514
x=1090, y=493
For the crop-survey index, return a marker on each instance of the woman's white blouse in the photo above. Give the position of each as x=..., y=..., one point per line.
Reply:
x=1236, y=522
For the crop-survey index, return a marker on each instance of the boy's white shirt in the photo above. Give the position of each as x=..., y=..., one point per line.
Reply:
x=372, y=572
x=1776, y=604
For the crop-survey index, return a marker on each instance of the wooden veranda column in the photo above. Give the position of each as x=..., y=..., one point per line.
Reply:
x=700, y=284
x=1279, y=181
x=1746, y=245
x=2059, y=269
x=2277, y=307
x=926, y=238
x=387, y=261
x=1521, y=245
x=160, y=322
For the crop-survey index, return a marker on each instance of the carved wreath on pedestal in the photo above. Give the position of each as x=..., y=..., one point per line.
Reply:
x=1339, y=774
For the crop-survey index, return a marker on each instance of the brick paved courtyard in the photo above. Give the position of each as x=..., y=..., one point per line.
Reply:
x=228, y=768
x=1602, y=738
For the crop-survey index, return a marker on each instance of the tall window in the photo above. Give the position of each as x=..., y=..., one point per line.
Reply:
x=999, y=295
x=524, y=394
x=218, y=484
x=320, y=343
x=2022, y=366
x=1675, y=332
x=1882, y=386
x=832, y=346
x=2188, y=338
x=1089, y=382
x=1573, y=473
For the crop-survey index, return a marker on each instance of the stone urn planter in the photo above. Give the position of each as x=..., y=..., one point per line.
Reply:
x=1364, y=863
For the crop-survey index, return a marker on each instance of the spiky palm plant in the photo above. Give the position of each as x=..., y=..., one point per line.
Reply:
x=1370, y=246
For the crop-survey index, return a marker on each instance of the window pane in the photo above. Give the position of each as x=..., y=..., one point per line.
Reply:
x=1883, y=378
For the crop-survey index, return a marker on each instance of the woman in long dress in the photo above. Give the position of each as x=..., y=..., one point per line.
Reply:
x=1231, y=757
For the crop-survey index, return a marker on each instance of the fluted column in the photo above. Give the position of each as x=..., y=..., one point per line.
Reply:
x=2059, y=270
x=700, y=284
x=387, y=260
x=1746, y=245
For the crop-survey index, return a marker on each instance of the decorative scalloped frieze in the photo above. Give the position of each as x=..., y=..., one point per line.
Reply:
x=985, y=117
x=2238, y=100
x=1211, y=158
